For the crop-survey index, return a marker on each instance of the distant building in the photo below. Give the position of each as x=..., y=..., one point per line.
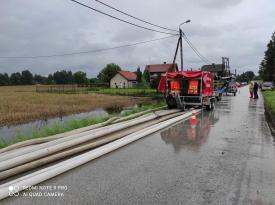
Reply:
x=156, y=70
x=124, y=79
x=217, y=69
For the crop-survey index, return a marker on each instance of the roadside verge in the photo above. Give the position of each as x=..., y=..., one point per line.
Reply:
x=269, y=103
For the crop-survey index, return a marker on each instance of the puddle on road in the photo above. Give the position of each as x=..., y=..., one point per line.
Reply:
x=190, y=134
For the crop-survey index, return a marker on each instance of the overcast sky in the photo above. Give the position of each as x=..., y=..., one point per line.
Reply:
x=238, y=29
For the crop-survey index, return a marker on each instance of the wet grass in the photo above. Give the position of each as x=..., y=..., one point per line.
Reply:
x=58, y=128
x=142, y=92
x=269, y=98
x=21, y=104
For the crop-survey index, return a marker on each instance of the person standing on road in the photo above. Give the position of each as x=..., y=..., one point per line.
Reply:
x=251, y=89
x=255, y=88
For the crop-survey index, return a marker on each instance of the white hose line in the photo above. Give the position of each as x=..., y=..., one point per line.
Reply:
x=50, y=172
x=76, y=131
x=44, y=150
x=138, y=114
x=57, y=136
x=75, y=150
x=15, y=153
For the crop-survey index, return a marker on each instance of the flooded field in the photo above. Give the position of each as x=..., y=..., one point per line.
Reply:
x=8, y=133
x=21, y=104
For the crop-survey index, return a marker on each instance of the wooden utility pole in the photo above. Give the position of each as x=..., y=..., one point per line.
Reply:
x=181, y=52
x=179, y=45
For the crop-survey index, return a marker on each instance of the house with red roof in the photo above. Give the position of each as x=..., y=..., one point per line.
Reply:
x=156, y=70
x=124, y=79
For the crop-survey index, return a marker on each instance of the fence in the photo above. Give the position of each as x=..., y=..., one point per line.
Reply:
x=97, y=88
x=61, y=89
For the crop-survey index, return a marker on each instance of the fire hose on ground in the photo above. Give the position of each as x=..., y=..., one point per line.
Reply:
x=59, y=168
x=75, y=150
x=32, y=153
x=76, y=131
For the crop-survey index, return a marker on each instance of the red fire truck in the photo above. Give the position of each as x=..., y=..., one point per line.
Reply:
x=185, y=89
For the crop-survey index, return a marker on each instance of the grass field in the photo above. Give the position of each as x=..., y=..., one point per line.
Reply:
x=19, y=104
x=74, y=89
x=129, y=92
x=269, y=97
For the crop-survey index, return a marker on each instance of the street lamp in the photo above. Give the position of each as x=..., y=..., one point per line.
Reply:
x=187, y=21
x=180, y=44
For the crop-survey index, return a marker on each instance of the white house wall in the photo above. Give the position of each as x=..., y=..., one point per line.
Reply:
x=120, y=81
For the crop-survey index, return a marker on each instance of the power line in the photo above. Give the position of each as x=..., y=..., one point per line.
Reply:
x=85, y=52
x=119, y=19
x=127, y=14
x=195, y=50
x=204, y=59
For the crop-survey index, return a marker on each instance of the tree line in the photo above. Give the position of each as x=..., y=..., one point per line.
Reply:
x=267, y=66
x=246, y=77
x=68, y=77
x=59, y=77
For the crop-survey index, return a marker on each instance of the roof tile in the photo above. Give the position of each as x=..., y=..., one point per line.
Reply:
x=128, y=75
x=159, y=68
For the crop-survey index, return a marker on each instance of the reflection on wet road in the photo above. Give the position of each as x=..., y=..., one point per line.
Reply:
x=225, y=157
x=190, y=134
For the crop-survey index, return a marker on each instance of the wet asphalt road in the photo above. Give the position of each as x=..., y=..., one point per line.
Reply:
x=226, y=157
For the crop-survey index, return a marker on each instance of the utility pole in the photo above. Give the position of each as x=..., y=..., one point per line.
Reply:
x=226, y=66
x=175, y=56
x=179, y=45
x=181, y=52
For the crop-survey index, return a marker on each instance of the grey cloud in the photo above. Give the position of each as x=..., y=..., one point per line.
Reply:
x=237, y=29
x=212, y=4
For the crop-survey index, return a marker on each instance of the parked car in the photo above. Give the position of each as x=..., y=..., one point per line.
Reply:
x=244, y=83
x=232, y=88
x=267, y=86
x=238, y=84
x=230, y=85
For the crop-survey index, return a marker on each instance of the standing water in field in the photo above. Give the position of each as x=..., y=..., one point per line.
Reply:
x=8, y=133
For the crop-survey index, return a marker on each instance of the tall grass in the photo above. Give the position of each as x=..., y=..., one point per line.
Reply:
x=269, y=98
x=20, y=104
x=142, y=92
x=59, y=127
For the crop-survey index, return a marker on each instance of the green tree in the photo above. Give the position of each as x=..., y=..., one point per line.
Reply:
x=250, y=75
x=107, y=73
x=4, y=79
x=139, y=75
x=267, y=66
x=15, y=79
x=63, y=77
x=26, y=77
x=146, y=76
x=246, y=76
x=80, y=77
x=49, y=79
x=39, y=79
x=95, y=80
